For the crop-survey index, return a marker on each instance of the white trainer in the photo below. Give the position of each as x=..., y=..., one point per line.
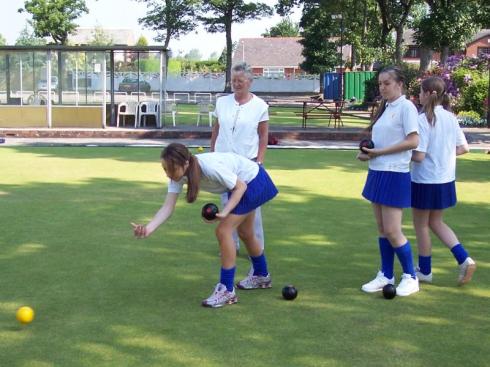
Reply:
x=466, y=270
x=422, y=277
x=220, y=297
x=407, y=285
x=377, y=284
x=255, y=282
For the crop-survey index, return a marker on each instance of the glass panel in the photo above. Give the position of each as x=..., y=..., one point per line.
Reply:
x=3, y=77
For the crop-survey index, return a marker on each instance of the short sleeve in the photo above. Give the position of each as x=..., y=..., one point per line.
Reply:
x=265, y=114
x=175, y=186
x=460, y=138
x=409, y=118
x=424, y=133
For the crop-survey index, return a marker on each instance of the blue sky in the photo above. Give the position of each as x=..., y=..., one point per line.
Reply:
x=125, y=14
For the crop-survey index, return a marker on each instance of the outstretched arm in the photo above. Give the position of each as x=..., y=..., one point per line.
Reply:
x=143, y=231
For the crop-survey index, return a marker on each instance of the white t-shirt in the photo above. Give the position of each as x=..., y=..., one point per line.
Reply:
x=238, y=125
x=438, y=142
x=220, y=172
x=398, y=120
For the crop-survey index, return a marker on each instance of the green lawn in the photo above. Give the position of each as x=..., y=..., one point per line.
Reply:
x=103, y=298
x=279, y=117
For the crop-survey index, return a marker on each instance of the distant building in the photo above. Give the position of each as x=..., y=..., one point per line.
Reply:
x=270, y=56
x=479, y=44
x=119, y=37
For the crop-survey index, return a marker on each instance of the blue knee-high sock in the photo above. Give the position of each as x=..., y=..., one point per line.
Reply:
x=404, y=254
x=459, y=253
x=425, y=264
x=387, y=256
x=227, y=278
x=260, y=265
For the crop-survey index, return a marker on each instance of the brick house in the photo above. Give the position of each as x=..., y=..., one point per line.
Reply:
x=270, y=56
x=479, y=43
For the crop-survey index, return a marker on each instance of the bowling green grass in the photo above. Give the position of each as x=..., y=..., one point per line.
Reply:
x=103, y=298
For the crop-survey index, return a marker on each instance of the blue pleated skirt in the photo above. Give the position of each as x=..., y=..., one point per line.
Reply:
x=388, y=188
x=433, y=196
x=259, y=191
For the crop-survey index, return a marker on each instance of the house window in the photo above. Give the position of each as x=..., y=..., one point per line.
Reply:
x=413, y=52
x=483, y=50
x=273, y=72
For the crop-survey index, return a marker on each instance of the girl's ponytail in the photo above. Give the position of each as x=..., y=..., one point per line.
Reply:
x=438, y=96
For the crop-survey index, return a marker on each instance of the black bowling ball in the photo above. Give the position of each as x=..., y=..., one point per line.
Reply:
x=209, y=211
x=289, y=292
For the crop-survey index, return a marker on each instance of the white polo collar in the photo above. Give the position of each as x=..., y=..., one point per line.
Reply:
x=396, y=101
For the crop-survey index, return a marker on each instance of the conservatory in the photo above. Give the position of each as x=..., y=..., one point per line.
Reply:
x=83, y=87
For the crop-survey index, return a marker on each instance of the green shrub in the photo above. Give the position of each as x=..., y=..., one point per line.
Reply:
x=470, y=119
x=473, y=96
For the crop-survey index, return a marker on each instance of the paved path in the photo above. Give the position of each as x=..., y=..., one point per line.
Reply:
x=479, y=139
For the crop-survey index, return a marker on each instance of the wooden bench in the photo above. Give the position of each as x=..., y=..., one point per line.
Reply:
x=320, y=110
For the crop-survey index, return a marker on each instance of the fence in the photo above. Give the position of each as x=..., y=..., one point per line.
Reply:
x=354, y=84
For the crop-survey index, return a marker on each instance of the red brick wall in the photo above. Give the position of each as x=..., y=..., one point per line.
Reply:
x=472, y=49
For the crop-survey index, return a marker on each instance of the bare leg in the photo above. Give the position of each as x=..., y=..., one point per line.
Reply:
x=246, y=233
x=422, y=231
x=224, y=232
x=392, y=225
x=441, y=229
x=224, y=200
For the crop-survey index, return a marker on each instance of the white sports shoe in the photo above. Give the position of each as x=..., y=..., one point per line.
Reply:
x=255, y=282
x=422, y=277
x=466, y=270
x=407, y=285
x=220, y=297
x=377, y=284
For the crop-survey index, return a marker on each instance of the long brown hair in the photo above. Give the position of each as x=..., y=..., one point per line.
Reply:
x=438, y=96
x=177, y=155
x=397, y=75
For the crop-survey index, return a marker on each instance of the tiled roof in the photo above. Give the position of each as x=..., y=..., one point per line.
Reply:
x=83, y=36
x=269, y=51
x=481, y=34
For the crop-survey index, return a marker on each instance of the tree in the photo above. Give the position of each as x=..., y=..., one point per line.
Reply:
x=328, y=24
x=142, y=41
x=28, y=38
x=219, y=16
x=448, y=25
x=100, y=37
x=3, y=41
x=193, y=55
x=394, y=17
x=170, y=18
x=54, y=18
x=285, y=28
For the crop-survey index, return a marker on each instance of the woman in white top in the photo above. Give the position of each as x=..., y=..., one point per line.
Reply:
x=242, y=127
x=394, y=133
x=247, y=185
x=433, y=178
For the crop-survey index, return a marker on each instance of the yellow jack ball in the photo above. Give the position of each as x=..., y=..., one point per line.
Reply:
x=200, y=149
x=25, y=315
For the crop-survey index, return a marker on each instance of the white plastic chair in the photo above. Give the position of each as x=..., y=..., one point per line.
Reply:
x=171, y=108
x=205, y=109
x=148, y=109
x=127, y=109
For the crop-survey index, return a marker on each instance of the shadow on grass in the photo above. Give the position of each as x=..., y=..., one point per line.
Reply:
x=104, y=298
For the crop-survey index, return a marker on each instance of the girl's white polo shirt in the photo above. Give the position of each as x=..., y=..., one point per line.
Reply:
x=438, y=142
x=398, y=120
x=220, y=172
